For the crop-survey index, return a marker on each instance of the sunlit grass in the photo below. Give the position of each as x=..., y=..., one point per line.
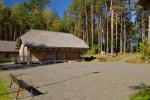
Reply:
x=109, y=58
x=3, y=63
x=134, y=60
x=137, y=60
x=117, y=58
x=3, y=92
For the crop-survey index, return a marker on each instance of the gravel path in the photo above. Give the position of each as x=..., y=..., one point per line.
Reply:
x=86, y=80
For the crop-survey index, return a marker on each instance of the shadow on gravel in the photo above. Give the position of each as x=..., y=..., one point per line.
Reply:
x=141, y=86
x=77, y=77
x=20, y=66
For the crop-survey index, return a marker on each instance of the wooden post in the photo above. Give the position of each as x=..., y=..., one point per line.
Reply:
x=64, y=56
x=83, y=55
x=28, y=56
x=55, y=57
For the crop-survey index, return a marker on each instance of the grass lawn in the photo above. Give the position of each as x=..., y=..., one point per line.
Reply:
x=3, y=92
x=117, y=58
x=137, y=60
x=142, y=95
x=3, y=63
x=134, y=60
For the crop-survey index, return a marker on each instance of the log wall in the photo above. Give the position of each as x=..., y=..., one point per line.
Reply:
x=54, y=55
x=8, y=56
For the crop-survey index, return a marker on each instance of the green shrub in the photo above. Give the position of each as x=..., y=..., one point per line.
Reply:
x=142, y=95
x=145, y=51
x=89, y=58
x=94, y=49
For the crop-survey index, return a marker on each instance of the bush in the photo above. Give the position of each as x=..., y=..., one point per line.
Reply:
x=94, y=49
x=142, y=95
x=89, y=58
x=145, y=51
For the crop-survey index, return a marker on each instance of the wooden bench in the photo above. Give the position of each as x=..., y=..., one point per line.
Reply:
x=23, y=85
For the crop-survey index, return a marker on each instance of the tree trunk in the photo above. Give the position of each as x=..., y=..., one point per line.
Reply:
x=137, y=43
x=5, y=35
x=124, y=35
x=149, y=30
x=116, y=35
x=137, y=38
x=131, y=49
x=143, y=28
x=101, y=36
x=92, y=25
x=20, y=30
x=86, y=18
x=112, y=28
x=112, y=33
x=84, y=21
x=14, y=37
x=107, y=44
x=121, y=35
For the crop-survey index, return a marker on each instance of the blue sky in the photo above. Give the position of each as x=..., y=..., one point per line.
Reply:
x=59, y=5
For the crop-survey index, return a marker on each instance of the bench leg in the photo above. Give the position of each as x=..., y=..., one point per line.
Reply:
x=17, y=93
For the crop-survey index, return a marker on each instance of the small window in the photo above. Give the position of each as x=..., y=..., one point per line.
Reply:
x=7, y=56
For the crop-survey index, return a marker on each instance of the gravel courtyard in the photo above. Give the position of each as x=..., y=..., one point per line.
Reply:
x=85, y=80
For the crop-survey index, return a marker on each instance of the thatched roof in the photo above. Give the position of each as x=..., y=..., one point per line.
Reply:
x=7, y=46
x=47, y=39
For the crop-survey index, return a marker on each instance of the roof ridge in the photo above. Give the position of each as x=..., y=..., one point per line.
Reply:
x=50, y=31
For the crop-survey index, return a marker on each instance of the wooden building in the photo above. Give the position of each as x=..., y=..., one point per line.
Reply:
x=8, y=52
x=38, y=46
